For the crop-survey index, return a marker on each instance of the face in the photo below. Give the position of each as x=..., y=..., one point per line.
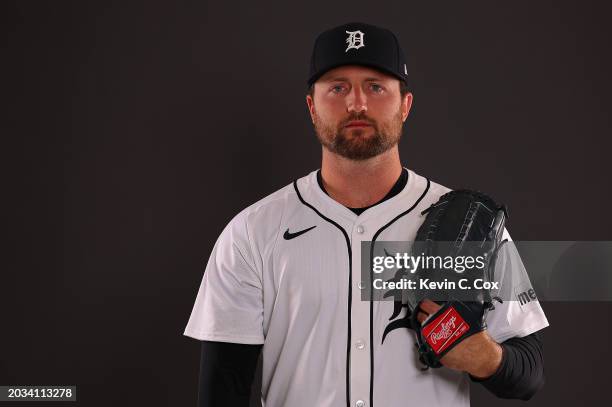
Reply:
x=358, y=112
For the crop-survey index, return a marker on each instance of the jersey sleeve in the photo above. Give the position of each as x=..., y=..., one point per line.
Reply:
x=520, y=314
x=229, y=303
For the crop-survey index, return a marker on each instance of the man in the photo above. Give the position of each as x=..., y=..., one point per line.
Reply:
x=285, y=271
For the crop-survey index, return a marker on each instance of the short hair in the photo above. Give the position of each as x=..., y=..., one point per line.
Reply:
x=404, y=89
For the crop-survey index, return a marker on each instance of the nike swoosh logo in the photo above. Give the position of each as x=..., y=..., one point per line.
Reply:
x=288, y=235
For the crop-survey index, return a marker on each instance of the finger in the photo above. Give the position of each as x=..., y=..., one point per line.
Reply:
x=421, y=316
x=429, y=306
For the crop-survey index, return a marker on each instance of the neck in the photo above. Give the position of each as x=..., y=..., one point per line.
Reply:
x=358, y=184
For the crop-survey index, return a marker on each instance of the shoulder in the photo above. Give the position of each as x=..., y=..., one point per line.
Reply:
x=261, y=220
x=437, y=190
x=260, y=211
x=432, y=190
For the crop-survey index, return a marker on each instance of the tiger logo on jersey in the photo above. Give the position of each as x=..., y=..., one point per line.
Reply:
x=398, y=305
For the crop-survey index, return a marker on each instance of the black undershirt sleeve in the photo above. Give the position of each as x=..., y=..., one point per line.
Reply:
x=521, y=373
x=226, y=374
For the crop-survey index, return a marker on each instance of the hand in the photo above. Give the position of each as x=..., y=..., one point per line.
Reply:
x=478, y=355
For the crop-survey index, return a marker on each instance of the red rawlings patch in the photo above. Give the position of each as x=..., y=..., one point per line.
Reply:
x=444, y=330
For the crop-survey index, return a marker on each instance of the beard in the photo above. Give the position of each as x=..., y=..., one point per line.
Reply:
x=356, y=143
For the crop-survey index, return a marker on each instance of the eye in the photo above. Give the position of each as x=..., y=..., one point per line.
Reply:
x=376, y=88
x=337, y=89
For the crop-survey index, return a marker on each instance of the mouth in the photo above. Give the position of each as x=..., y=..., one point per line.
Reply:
x=357, y=123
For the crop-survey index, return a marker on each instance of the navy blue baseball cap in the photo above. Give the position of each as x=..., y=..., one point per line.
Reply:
x=357, y=44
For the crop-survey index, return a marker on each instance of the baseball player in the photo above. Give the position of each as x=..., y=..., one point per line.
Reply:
x=284, y=275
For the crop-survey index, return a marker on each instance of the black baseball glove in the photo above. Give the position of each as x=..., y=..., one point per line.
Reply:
x=462, y=223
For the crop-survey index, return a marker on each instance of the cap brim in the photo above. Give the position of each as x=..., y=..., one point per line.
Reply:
x=323, y=71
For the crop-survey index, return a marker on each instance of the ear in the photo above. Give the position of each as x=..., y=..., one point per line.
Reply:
x=406, y=105
x=310, y=104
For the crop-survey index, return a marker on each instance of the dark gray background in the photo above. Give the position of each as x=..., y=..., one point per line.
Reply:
x=133, y=132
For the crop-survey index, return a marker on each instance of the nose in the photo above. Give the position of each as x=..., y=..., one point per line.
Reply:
x=356, y=101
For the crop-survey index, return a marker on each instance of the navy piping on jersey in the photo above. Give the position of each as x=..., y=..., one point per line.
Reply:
x=371, y=294
x=350, y=290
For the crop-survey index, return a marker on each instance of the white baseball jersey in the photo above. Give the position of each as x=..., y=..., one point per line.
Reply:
x=285, y=273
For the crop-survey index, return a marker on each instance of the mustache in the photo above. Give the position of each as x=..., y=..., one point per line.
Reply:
x=360, y=117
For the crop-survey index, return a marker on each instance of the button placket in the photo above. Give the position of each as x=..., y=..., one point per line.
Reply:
x=360, y=360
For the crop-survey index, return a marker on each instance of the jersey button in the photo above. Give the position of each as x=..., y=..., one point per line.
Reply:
x=361, y=285
x=360, y=229
x=360, y=403
x=360, y=344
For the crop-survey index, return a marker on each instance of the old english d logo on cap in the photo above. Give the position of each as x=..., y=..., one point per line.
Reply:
x=354, y=40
